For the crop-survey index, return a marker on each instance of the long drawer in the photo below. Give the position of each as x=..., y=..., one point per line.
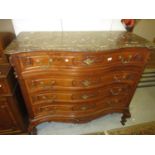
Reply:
x=81, y=82
x=28, y=62
x=114, y=102
x=79, y=96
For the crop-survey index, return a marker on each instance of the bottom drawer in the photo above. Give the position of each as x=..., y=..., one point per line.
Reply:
x=80, y=108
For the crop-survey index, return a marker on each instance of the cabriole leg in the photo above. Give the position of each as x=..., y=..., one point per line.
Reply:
x=32, y=130
x=126, y=114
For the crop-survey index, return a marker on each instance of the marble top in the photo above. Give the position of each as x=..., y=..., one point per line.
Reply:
x=75, y=41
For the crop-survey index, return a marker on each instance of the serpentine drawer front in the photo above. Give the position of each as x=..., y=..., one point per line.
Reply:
x=77, y=77
x=43, y=83
x=45, y=60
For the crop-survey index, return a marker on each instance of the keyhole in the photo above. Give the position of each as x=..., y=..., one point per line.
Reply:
x=66, y=60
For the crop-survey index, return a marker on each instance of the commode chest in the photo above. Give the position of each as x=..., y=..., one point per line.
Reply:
x=77, y=76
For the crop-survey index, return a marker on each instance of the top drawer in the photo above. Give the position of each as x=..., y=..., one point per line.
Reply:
x=54, y=60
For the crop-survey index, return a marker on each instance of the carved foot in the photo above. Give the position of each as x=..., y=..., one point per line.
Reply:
x=32, y=130
x=123, y=120
x=126, y=115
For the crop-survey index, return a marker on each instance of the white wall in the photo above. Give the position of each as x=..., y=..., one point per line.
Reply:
x=145, y=28
x=66, y=25
x=6, y=25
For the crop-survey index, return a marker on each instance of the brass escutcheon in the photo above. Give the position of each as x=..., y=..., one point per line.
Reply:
x=88, y=61
x=125, y=61
x=84, y=108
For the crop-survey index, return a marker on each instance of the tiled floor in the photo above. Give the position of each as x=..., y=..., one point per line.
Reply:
x=142, y=109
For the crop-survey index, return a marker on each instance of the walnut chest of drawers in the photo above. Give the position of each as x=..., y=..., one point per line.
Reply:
x=77, y=76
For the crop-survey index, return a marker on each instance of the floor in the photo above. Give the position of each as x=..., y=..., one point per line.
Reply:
x=142, y=109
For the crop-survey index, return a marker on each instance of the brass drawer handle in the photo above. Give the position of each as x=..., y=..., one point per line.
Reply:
x=87, y=107
x=39, y=63
x=46, y=109
x=27, y=61
x=125, y=61
x=86, y=83
x=50, y=100
x=112, y=102
x=53, y=82
x=85, y=97
x=88, y=61
x=44, y=97
x=117, y=79
x=0, y=85
x=50, y=61
x=84, y=108
x=44, y=85
x=114, y=92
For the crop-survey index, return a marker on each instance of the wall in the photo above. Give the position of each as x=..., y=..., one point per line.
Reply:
x=6, y=25
x=66, y=25
x=145, y=28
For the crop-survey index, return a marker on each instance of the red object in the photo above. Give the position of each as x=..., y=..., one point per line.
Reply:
x=128, y=24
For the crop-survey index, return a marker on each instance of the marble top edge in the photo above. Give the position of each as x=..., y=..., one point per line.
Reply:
x=78, y=41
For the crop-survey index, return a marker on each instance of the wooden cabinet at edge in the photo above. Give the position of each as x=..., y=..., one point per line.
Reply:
x=13, y=118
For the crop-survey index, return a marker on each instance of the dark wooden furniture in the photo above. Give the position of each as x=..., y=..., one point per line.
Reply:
x=12, y=112
x=77, y=76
